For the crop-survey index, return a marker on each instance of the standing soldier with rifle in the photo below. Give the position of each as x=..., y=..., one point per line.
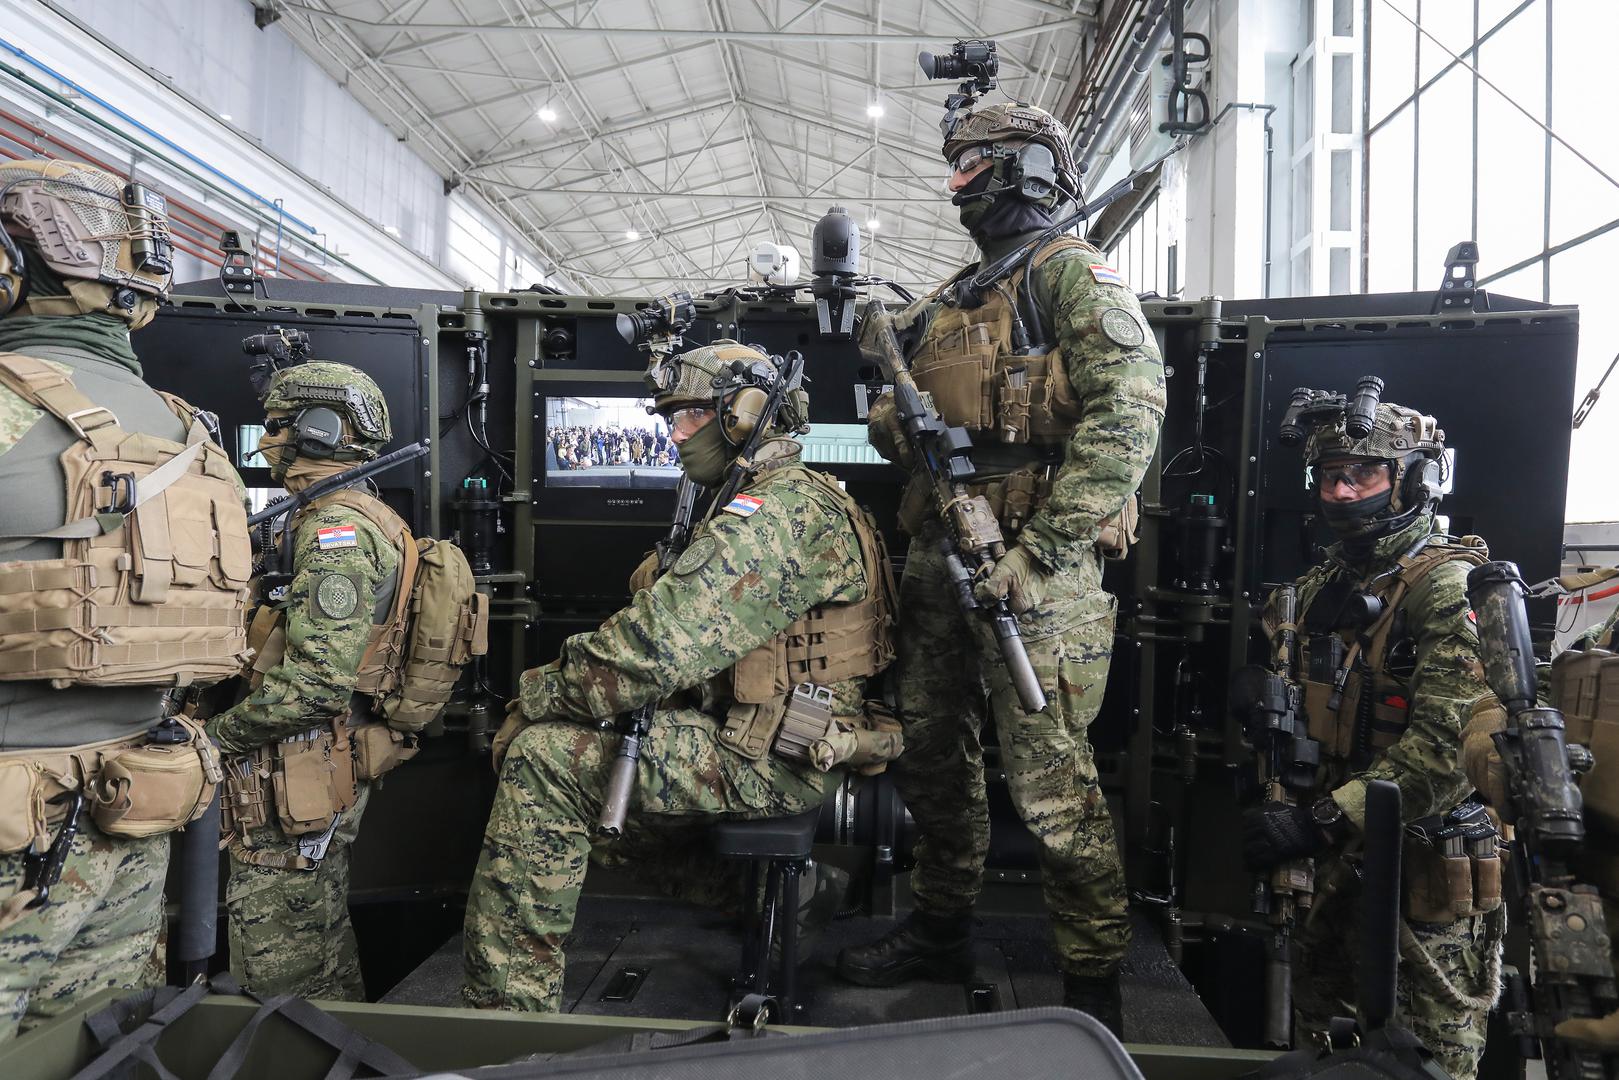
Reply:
x=754, y=648
x=1388, y=659
x=1568, y=873
x=303, y=743
x=1047, y=382
x=124, y=565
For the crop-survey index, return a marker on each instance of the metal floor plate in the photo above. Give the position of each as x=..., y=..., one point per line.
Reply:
x=689, y=955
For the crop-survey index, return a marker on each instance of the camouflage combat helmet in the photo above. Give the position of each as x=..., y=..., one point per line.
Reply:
x=348, y=391
x=1412, y=443
x=708, y=376
x=1004, y=121
x=107, y=240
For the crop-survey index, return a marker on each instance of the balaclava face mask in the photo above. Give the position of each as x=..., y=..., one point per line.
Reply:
x=706, y=455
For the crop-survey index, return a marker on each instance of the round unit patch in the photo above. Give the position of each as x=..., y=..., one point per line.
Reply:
x=695, y=557
x=335, y=597
x=1122, y=327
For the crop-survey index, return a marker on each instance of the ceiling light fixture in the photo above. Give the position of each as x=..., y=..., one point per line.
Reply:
x=548, y=114
x=874, y=110
x=225, y=116
x=631, y=234
x=871, y=224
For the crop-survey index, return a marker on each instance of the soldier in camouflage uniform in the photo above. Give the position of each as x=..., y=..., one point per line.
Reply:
x=289, y=921
x=1412, y=674
x=1598, y=862
x=789, y=550
x=1059, y=447
x=73, y=283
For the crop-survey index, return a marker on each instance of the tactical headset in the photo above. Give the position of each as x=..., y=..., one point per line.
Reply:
x=317, y=432
x=13, y=272
x=754, y=393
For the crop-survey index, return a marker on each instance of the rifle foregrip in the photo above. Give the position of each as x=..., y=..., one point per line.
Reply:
x=620, y=783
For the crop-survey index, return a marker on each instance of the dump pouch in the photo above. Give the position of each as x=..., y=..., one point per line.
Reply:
x=866, y=743
x=156, y=787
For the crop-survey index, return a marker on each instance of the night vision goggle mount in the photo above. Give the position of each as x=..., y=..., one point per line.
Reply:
x=277, y=350
x=1309, y=409
x=659, y=327
x=974, y=61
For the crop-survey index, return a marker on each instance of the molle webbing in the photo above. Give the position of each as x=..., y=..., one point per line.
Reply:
x=835, y=642
x=152, y=582
x=1387, y=722
x=966, y=364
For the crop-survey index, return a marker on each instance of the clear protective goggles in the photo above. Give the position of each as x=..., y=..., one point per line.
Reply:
x=688, y=421
x=1359, y=475
x=970, y=158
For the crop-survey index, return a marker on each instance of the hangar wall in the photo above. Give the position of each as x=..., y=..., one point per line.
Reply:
x=250, y=114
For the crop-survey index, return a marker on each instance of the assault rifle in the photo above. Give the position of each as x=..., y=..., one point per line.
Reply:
x=972, y=539
x=1270, y=704
x=273, y=580
x=635, y=725
x=1573, y=975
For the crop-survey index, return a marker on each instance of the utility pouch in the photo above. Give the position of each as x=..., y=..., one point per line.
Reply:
x=23, y=822
x=1120, y=531
x=159, y=786
x=1585, y=686
x=807, y=720
x=751, y=728
x=379, y=749
x=1451, y=870
x=313, y=779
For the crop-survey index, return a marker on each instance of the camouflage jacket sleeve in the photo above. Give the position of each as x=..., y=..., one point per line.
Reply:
x=1120, y=392
x=1426, y=760
x=741, y=582
x=329, y=614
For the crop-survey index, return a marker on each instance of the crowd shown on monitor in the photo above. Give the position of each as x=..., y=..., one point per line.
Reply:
x=590, y=447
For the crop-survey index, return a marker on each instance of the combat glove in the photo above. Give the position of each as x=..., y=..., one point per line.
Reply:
x=1276, y=832
x=1481, y=760
x=886, y=434
x=1601, y=1034
x=1018, y=578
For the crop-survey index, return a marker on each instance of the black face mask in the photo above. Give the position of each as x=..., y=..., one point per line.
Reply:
x=998, y=214
x=1358, y=520
x=972, y=202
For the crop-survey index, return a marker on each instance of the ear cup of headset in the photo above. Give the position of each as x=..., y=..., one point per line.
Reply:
x=1034, y=171
x=741, y=414
x=13, y=273
x=318, y=432
x=1422, y=482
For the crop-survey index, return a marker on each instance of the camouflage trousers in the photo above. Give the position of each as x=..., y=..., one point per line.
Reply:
x=539, y=840
x=1447, y=980
x=99, y=929
x=946, y=661
x=289, y=929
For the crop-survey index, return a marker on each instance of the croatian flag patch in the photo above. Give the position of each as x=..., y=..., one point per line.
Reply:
x=743, y=505
x=1106, y=275
x=341, y=536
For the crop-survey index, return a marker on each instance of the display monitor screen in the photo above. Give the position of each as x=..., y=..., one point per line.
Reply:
x=607, y=442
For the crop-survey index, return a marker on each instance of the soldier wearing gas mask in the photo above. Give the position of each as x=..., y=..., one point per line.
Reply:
x=302, y=745
x=782, y=595
x=1388, y=661
x=1057, y=376
x=124, y=566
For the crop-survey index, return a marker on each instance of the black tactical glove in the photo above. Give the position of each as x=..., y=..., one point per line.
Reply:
x=1276, y=832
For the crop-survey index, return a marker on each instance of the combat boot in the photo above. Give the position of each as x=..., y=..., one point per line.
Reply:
x=933, y=946
x=1097, y=995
